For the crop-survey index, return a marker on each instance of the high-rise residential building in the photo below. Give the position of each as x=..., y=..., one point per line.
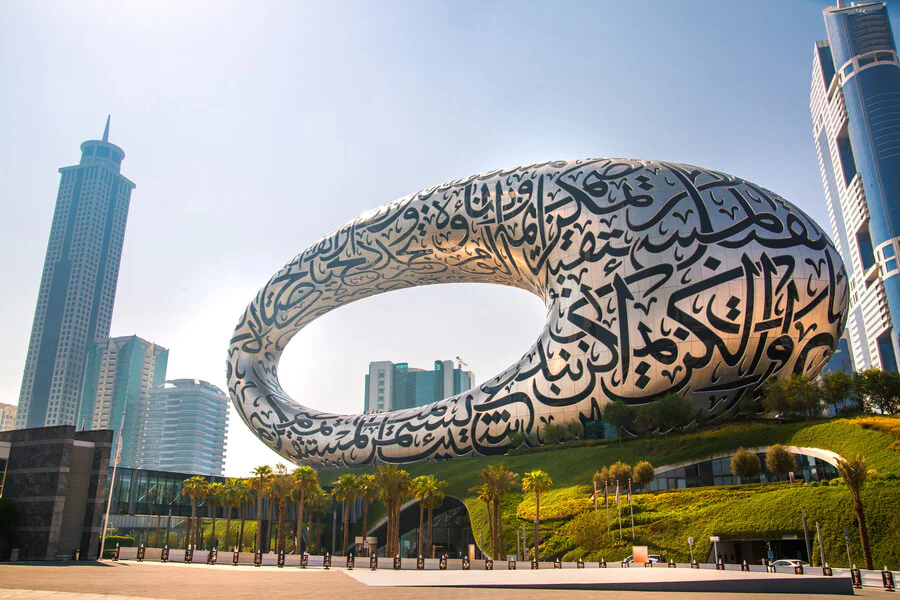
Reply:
x=855, y=106
x=78, y=285
x=185, y=428
x=391, y=386
x=7, y=416
x=119, y=374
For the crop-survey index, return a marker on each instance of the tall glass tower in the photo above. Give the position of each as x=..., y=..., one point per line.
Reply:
x=855, y=105
x=78, y=286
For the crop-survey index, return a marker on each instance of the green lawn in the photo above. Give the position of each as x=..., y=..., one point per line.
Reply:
x=664, y=520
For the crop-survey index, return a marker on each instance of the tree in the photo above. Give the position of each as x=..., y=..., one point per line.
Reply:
x=745, y=464
x=780, y=461
x=394, y=485
x=620, y=473
x=419, y=491
x=280, y=488
x=367, y=489
x=600, y=480
x=345, y=491
x=305, y=478
x=484, y=494
x=245, y=495
x=499, y=480
x=748, y=406
x=435, y=501
x=317, y=503
x=644, y=473
x=574, y=428
x=195, y=488
x=838, y=389
x=229, y=501
x=792, y=396
x=260, y=484
x=536, y=482
x=675, y=412
x=854, y=474
x=516, y=439
x=619, y=415
x=552, y=433
x=648, y=418
x=215, y=496
x=881, y=389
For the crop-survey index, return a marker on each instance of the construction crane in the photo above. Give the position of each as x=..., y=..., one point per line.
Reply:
x=462, y=364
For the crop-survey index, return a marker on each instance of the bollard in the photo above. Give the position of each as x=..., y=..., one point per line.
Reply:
x=116, y=553
x=826, y=571
x=165, y=553
x=326, y=562
x=745, y=568
x=443, y=564
x=465, y=563
x=671, y=563
x=211, y=557
x=887, y=579
x=648, y=564
x=798, y=570
x=140, y=554
x=626, y=565
x=580, y=564
x=189, y=555
x=420, y=563
x=856, y=577
x=373, y=562
x=602, y=563
x=350, y=562
x=77, y=554
x=695, y=564
x=235, y=557
x=488, y=564
x=257, y=558
x=557, y=564
x=281, y=560
x=304, y=560
x=534, y=564
x=511, y=564
x=720, y=565
x=397, y=563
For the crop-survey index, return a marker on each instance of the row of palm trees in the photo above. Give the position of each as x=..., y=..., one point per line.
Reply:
x=497, y=482
x=280, y=487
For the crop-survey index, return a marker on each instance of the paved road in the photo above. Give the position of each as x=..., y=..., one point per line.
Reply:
x=123, y=581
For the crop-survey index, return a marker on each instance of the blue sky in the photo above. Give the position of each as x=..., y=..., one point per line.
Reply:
x=251, y=129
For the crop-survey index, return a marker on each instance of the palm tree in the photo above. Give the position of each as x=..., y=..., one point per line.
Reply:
x=419, y=492
x=484, y=494
x=280, y=489
x=367, y=490
x=395, y=485
x=317, y=503
x=854, y=474
x=245, y=495
x=435, y=501
x=215, y=496
x=500, y=480
x=305, y=477
x=536, y=481
x=194, y=488
x=229, y=499
x=260, y=482
x=345, y=491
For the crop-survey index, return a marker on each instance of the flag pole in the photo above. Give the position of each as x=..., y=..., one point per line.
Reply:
x=619, y=505
x=112, y=483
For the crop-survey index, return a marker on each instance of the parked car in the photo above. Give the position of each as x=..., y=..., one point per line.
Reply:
x=651, y=558
x=789, y=562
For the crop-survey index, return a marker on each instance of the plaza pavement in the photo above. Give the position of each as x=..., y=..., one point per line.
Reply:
x=143, y=581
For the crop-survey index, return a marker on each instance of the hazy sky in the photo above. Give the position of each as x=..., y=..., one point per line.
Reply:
x=253, y=128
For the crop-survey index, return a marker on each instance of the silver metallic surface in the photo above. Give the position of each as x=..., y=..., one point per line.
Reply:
x=657, y=277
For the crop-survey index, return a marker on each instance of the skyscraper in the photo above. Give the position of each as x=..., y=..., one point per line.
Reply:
x=391, y=386
x=119, y=375
x=78, y=286
x=855, y=106
x=185, y=428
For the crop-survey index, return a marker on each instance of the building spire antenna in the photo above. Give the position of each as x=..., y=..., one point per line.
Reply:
x=106, y=130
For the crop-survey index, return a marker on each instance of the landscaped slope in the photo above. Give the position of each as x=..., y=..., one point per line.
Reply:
x=664, y=520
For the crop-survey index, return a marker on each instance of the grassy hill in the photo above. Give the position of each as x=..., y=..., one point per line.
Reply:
x=571, y=529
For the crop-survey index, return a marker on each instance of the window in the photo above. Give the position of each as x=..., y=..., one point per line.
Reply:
x=864, y=242
x=848, y=164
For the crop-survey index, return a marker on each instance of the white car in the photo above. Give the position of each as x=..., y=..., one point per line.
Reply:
x=789, y=562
